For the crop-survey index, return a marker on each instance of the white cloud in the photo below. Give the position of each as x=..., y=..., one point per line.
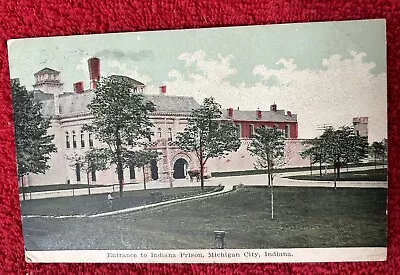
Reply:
x=342, y=89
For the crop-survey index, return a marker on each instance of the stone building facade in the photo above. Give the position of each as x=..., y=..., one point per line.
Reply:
x=68, y=113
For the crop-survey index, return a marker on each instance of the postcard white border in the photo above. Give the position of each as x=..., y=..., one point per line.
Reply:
x=293, y=255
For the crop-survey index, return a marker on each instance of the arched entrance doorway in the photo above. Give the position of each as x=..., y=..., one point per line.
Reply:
x=154, y=169
x=180, y=168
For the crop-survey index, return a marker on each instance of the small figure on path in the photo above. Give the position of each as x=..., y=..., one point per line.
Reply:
x=110, y=201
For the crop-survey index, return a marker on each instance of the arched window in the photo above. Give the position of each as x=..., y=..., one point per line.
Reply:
x=159, y=132
x=82, y=139
x=67, y=142
x=132, y=174
x=170, y=134
x=78, y=171
x=93, y=172
x=73, y=139
x=90, y=140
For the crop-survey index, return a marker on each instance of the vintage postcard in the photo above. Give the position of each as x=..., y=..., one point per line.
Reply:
x=239, y=144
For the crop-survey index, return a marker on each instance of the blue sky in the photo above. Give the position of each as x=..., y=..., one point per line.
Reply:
x=324, y=72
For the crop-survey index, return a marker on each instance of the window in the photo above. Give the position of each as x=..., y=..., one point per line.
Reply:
x=93, y=172
x=78, y=171
x=169, y=134
x=82, y=140
x=239, y=130
x=90, y=140
x=73, y=139
x=150, y=135
x=132, y=174
x=159, y=132
x=287, y=131
x=67, y=143
x=251, y=130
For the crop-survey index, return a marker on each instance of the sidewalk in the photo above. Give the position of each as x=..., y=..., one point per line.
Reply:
x=136, y=208
x=229, y=182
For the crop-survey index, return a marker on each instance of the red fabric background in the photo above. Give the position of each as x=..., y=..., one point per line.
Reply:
x=28, y=18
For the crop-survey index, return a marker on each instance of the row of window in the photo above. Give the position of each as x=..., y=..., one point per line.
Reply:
x=74, y=140
x=159, y=133
x=71, y=140
x=252, y=130
x=132, y=174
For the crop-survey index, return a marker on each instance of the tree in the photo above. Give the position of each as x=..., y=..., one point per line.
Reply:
x=385, y=151
x=207, y=135
x=96, y=159
x=268, y=146
x=140, y=159
x=34, y=145
x=315, y=151
x=377, y=151
x=120, y=118
x=342, y=147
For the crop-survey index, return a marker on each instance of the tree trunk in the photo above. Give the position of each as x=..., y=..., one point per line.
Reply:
x=320, y=167
x=120, y=169
x=144, y=179
x=272, y=200
x=23, y=188
x=334, y=174
x=201, y=166
x=87, y=180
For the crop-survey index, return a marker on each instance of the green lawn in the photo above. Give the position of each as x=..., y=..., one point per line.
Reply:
x=98, y=203
x=366, y=175
x=304, y=217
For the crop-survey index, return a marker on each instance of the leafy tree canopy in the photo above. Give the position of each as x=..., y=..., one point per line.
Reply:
x=34, y=144
x=268, y=146
x=120, y=115
x=205, y=129
x=207, y=135
x=120, y=118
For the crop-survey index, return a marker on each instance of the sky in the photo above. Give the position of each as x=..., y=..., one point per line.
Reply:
x=326, y=73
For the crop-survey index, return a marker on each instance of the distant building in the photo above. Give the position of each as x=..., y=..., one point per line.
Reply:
x=68, y=113
x=360, y=126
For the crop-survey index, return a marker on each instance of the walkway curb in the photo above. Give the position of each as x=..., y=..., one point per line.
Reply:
x=137, y=208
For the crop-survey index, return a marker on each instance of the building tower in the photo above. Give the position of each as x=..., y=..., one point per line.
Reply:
x=360, y=125
x=49, y=81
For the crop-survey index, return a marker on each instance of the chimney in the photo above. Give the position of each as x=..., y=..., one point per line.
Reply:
x=78, y=87
x=259, y=114
x=94, y=71
x=289, y=113
x=230, y=112
x=273, y=107
x=163, y=90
